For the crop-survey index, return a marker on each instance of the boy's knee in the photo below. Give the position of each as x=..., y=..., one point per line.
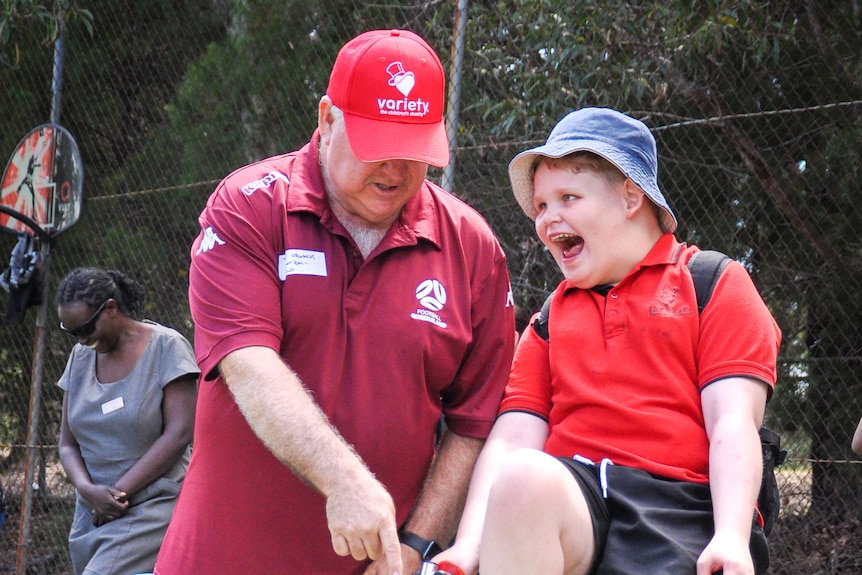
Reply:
x=525, y=478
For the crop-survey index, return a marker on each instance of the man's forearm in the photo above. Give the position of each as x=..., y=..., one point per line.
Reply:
x=360, y=512
x=283, y=415
x=438, y=507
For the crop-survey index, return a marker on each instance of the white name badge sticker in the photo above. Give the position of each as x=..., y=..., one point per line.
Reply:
x=301, y=262
x=113, y=405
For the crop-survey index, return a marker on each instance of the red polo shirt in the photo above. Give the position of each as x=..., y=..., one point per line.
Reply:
x=621, y=375
x=385, y=345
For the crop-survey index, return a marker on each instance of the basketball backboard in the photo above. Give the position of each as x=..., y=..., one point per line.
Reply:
x=42, y=186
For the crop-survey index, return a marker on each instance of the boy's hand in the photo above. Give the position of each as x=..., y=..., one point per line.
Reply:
x=466, y=559
x=726, y=552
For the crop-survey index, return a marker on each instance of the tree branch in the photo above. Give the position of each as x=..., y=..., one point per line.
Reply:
x=707, y=100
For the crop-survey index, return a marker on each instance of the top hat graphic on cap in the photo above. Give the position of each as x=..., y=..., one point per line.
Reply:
x=403, y=81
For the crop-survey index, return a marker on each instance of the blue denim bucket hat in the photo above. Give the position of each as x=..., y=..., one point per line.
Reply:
x=620, y=139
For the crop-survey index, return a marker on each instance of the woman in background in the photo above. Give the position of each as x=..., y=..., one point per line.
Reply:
x=128, y=418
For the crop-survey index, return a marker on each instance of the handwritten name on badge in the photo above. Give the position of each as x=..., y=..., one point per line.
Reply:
x=113, y=405
x=301, y=262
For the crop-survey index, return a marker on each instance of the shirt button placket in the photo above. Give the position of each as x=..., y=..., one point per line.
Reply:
x=613, y=314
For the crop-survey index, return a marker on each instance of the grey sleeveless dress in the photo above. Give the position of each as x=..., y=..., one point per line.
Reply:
x=115, y=424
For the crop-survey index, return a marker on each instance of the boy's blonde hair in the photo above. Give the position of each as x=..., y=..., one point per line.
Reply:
x=584, y=161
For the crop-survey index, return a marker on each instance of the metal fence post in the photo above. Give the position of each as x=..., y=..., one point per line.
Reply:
x=30, y=459
x=454, y=95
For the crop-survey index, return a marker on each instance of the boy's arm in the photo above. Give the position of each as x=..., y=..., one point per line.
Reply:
x=512, y=430
x=733, y=413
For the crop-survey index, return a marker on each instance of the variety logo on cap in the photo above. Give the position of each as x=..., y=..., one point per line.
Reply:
x=390, y=85
x=403, y=82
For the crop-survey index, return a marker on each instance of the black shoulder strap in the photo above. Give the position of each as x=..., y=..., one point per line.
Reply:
x=541, y=323
x=706, y=267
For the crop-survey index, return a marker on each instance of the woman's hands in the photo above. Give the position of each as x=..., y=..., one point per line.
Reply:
x=109, y=503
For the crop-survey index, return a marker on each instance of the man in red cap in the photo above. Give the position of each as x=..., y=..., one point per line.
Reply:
x=343, y=304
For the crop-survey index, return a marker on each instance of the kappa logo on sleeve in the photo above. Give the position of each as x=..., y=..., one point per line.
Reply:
x=432, y=297
x=264, y=182
x=209, y=241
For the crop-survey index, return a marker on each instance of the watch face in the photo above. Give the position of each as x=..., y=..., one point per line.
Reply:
x=43, y=182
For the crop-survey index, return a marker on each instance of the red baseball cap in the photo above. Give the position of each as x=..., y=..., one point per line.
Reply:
x=391, y=87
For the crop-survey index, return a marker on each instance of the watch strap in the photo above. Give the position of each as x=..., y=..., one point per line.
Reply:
x=427, y=548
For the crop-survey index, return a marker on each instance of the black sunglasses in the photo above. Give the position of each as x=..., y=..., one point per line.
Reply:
x=89, y=326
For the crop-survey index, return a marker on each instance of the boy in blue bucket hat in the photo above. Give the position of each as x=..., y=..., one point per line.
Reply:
x=627, y=441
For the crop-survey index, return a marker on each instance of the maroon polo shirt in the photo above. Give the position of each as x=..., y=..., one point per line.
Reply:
x=386, y=345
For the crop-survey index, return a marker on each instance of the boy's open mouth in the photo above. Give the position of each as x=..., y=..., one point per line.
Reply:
x=569, y=243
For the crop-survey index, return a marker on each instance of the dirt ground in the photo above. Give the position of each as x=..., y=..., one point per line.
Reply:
x=797, y=549
x=804, y=544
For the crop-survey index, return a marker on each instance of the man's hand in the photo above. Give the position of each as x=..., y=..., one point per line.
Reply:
x=410, y=560
x=361, y=518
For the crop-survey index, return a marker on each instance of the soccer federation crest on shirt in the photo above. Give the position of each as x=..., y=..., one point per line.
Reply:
x=432, y=297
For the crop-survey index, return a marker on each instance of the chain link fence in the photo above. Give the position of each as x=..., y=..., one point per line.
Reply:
x=755, y=106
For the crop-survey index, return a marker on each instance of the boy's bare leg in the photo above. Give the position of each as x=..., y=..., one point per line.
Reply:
x=537, y=520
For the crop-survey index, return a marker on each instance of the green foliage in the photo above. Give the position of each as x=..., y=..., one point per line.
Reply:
x=255, y=94
x=18, y=14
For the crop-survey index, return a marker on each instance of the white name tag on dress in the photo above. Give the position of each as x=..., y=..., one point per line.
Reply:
x=302, y=262
x=113, y=405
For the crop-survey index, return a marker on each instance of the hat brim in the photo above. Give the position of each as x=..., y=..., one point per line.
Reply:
x=521, y=167
x=521, y=178
x=521, y=171
x=376, y=141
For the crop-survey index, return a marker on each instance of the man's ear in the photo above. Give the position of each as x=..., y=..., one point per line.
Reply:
x=325, y=119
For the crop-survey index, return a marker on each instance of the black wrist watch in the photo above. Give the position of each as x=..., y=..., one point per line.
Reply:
x=426, y=548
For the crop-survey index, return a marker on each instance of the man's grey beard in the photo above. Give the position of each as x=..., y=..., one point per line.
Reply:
x=366, y=237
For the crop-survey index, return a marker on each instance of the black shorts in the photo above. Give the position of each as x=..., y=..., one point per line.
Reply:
x=650, y=524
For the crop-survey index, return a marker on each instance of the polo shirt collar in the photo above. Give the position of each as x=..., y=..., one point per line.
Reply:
x=306, y=191
x=308, y=194
x=666, y=250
